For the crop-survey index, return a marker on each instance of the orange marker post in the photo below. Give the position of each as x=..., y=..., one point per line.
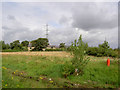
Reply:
x=108, y=62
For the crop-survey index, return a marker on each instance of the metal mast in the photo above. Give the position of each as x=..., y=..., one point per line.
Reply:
x=105, y=38
x=47, y=31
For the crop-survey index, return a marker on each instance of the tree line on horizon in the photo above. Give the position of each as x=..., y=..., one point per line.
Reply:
x=40, y=43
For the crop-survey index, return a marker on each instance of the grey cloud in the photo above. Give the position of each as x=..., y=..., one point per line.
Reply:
x=15, y=31
x=89, y=16
x=22, y=33
x=5, y=28
x=10, y=17
x=66, y=35
x=63, y=20
x=94, y=39
x=18, y=31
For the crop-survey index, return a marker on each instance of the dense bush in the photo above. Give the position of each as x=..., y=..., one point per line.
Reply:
x=111, y=53
x=3, y=45
x=57, y=49
x=92, y=51
x=25, y=48
x=16, y=45
x=11, y=50
x=67, y=69
x=99, y=52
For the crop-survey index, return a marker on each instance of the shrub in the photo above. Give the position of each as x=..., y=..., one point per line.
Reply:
x=92, y=51
x=67, y=69
x=57, y=49
x=112, y=53
x=100, y=51
x=11, y=50
x=79, y=60
x=24, y=48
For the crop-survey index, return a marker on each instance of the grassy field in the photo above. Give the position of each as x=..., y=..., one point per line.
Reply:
x=44, y=71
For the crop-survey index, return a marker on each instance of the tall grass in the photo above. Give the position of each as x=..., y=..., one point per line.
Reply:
x=96, y=74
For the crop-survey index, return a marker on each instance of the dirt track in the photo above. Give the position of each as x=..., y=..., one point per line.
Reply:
x=55, y=53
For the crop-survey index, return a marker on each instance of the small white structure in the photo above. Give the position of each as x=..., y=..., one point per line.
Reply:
x=30, y=46
x=51, y=47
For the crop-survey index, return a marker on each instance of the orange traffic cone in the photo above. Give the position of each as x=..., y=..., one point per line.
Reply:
x=108, y=62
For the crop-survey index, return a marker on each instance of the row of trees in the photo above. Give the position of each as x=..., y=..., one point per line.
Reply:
x=39, y=44
x=102, y=50
x=15, y=45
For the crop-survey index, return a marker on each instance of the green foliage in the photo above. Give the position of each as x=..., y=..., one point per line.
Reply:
x=40, y=43
x=92, y=51
x=4, y=46
x=78, y=49
x=25, y=48
x=53, y=71
x=111, y=53
x=62, y=45
x=67, y=69
x=7, y=46
x=103, y=50
x=104, y=45
x=57, y=49
x=96, y=75
x=0, y=46
x=25, y=43
x=11, y=50
x=16, y=45
x=68, y=49
x=33, y=43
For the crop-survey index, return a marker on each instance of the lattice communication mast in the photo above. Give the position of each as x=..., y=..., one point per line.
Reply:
x=47, y=31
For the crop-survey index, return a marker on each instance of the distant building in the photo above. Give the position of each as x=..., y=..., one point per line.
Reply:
x=51, y=47
x=30, y=47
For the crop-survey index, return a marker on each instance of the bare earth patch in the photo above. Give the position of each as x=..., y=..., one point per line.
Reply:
x=55, y=53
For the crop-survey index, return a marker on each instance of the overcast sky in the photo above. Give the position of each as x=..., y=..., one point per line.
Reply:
x=67, y=20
